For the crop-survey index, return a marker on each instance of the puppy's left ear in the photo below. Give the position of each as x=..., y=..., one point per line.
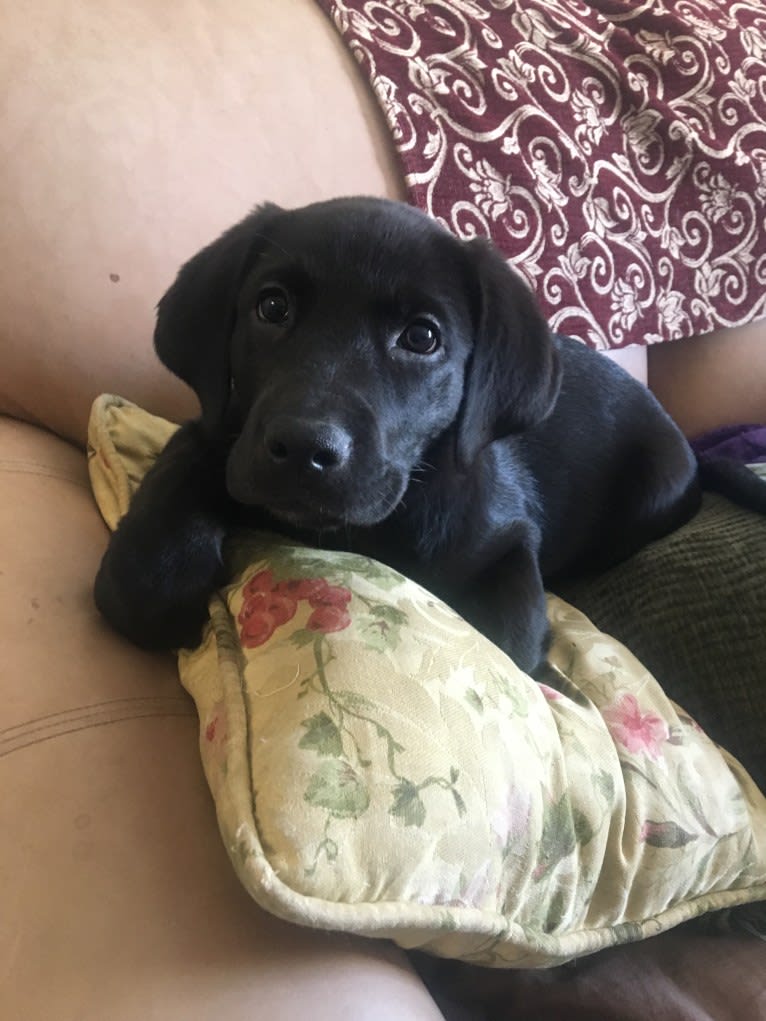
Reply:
x=195, y=317
x=513, y=375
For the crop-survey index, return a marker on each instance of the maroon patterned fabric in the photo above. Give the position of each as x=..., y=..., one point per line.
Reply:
x=614, y=151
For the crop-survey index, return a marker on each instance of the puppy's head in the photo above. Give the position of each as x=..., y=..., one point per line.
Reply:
x=342, y=341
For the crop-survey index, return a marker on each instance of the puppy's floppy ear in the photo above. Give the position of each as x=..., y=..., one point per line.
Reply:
x=195, y=317
x=513, y=375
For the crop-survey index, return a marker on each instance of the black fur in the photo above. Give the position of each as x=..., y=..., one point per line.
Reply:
x=504, y=456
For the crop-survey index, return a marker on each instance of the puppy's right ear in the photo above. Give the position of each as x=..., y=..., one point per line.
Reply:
x=195, y=317
x=514, y=373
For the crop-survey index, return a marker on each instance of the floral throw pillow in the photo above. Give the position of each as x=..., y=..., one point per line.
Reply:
x=379, y=767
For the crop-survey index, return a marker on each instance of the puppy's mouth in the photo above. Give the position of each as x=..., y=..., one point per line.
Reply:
x=309, y=519
x=315, y=508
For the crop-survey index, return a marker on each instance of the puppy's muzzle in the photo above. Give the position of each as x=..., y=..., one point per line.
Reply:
x=306, y=446
x=316, y=471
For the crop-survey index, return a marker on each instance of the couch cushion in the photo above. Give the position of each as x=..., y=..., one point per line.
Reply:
x=132, y=146
x=52, y=541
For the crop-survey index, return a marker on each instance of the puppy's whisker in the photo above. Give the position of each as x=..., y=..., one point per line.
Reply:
x=349, y=542
x=418, y=473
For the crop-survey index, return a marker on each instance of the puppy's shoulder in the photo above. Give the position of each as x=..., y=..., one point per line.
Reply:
x=587, y=371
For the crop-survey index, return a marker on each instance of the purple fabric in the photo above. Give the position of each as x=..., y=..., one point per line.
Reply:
x=743, y=443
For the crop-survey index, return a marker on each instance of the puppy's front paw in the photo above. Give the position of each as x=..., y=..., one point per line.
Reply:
x=156, y=592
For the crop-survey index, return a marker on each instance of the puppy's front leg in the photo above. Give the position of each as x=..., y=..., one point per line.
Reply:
x=508, y=605
x=164, y=559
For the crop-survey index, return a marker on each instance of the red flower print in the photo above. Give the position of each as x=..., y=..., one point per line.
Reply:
x=330, y=613
x=269, y=604
x=261, y=614
x=302, y=588
x=256, y=629
x=217, y=727
x=331, y=595
x=280, y=607
x=636, y=731
x=263, y=581
x=328, y=618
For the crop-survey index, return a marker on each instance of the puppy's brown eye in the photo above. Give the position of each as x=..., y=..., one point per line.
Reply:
x=272, y=306
x=421, y=337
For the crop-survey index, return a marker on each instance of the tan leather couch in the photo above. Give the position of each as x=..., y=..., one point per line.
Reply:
x=132, y=134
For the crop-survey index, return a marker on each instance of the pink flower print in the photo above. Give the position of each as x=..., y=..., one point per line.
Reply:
x=510, y=821
x=636, y=731
x=550, y=693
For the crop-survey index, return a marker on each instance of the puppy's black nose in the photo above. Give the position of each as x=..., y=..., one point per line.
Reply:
x=304, y=444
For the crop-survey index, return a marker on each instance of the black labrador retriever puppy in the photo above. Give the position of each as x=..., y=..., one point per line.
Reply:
x=369, y=382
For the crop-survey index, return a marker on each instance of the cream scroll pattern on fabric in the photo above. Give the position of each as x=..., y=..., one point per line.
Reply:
x=615, y=152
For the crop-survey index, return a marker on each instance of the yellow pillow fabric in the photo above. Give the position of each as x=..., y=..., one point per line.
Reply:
x=379, y=767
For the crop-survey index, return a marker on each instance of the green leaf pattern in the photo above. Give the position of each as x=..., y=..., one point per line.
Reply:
x=401, y=759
